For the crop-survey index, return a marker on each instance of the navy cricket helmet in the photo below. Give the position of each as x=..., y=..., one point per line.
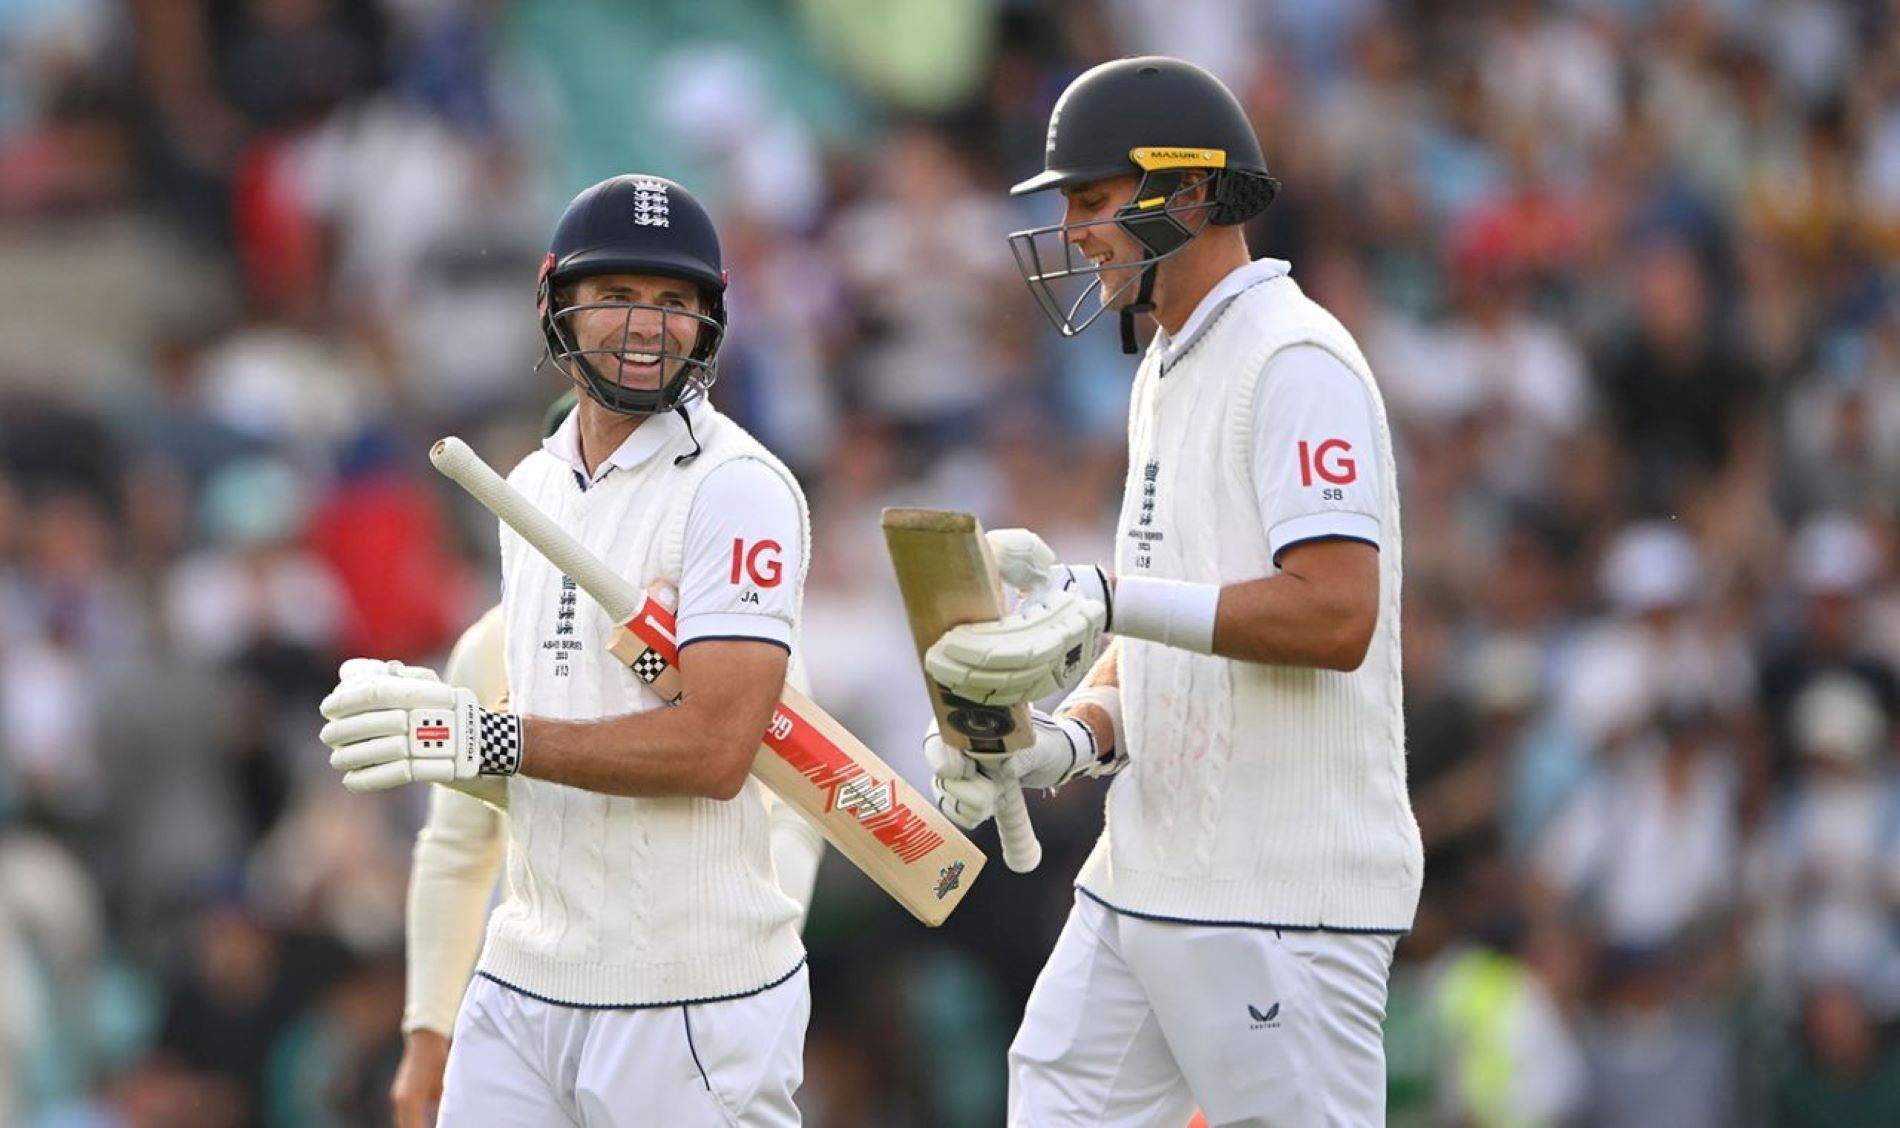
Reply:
x=635, y=224
x=1160, y=118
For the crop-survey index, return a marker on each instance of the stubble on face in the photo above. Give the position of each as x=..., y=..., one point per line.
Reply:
x=627, y=345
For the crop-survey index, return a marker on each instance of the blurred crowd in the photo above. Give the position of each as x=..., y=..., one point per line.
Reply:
x=1628, y=272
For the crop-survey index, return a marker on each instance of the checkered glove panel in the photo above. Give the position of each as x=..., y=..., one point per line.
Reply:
x=498, y=743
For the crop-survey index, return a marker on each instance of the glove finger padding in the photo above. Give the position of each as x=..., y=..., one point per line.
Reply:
x=370, y=667
x=385, y=691
x=1023, y=559
x=366, y=753
x=379, y=777
x=946, y=762
x=363, y=726
x=968, y=802
x=1023, y=656
x=363, y=668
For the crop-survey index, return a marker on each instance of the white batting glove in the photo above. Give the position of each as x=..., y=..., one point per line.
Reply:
x=1028, y=654
x=391, y=724
x=1028, y=564
x=965, y=788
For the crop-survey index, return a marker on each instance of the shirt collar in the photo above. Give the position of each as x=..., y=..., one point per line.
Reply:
x=1226, y=290
x=646, y=441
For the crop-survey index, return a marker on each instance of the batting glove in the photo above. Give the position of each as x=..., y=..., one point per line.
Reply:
x=965, y=787
x=391, y=724
x=1028, y=564
x=1028, y=654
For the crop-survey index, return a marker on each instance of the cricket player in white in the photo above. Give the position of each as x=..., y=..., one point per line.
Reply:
x=645, y=966
x=1233, y=930
x=452, y=876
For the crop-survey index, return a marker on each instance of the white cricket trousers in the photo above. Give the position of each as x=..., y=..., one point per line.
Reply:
x=1134, y=1022
x=519, y=1062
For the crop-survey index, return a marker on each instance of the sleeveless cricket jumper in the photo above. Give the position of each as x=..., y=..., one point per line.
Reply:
x=644, y=966
x=1234, y=925
x=1256, y=794
x=625, y=901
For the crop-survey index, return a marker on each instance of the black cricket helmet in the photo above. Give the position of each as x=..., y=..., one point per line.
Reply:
x=635, y=225
x=1163, y=119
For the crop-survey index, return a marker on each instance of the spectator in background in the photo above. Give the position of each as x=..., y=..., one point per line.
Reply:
x=246, y=984
x=1829, y=882
x=1682, y=401
x=78, y=629
x=52, y=945
x=929, y=276
x=1844, y=1071
x=1841, y=429
x=1527, y=380
x=1832, y=563
x=384, y=535
x=254, y=587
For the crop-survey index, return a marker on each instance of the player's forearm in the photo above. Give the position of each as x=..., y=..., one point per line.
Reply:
x=1291, y=620
x=1107, y=671
x=1105, y=674
x=1319, y=610
x=1281, y=620
x=692, y=750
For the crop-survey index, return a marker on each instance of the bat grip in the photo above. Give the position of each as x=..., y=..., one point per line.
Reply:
x=1022, y=852
x=460, y=464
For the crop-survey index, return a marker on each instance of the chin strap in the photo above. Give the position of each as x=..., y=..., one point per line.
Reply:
x=1143, y=303
x=694, y=453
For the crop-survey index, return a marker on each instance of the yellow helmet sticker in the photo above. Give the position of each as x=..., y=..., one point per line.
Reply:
x=1150, y=158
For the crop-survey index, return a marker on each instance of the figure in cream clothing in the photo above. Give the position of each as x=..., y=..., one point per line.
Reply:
x=1233, y=929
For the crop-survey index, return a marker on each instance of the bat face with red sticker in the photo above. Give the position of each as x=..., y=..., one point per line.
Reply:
x=818, y=766
x=863, y=808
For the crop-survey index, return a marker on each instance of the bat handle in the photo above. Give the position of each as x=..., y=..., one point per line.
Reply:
x=1021, y=851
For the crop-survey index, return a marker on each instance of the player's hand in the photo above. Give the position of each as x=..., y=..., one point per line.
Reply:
x=416, y=1092
x=965, y=786
x=1030, y=653
x=391, y=724
x=1027, y=563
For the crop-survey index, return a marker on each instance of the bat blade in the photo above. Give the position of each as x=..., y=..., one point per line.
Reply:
x=948, y=578
x=865, y=810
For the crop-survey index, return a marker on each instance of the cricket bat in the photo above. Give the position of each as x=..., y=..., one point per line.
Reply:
x=863, y=808
x=948, y=578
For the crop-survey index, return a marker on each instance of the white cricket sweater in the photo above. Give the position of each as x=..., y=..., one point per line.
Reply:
x=1254, y=794
x=618, y=901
